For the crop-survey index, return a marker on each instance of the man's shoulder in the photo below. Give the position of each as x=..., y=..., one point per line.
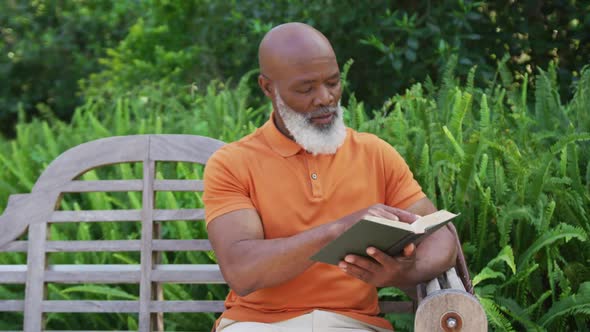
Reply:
x=240, y=149
x=368, y=141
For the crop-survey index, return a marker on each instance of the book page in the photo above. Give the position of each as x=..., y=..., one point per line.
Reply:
x=433, y=219
x=389, y=222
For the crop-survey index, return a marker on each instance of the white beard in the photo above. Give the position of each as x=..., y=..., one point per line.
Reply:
x=317, y=139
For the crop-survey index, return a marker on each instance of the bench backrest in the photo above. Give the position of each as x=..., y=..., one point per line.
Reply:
x=33, y=213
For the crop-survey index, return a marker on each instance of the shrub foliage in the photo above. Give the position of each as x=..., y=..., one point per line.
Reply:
x=519, y=173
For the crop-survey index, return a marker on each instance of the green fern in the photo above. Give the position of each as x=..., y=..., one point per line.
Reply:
x=561, y=232
x=576, y=304
x=495, y=316
x=487, y=273
x=516, y=312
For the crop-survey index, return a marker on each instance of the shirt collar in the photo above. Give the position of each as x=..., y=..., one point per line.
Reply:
x=277, y=141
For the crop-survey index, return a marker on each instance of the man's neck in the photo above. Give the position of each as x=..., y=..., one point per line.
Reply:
x=280, y=125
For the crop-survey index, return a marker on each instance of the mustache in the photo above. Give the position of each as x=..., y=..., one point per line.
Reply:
x=323, y=111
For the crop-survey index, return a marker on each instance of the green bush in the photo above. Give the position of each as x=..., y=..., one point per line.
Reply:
x=393, y=45
x=47, y=46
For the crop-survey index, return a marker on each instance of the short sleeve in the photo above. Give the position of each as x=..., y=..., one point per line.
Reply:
x=225, y=190
x=402, y=190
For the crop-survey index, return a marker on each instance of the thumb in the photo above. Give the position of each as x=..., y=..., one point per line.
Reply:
x=409, y=250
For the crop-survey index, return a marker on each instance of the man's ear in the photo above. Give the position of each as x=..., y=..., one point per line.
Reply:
x=266, y=85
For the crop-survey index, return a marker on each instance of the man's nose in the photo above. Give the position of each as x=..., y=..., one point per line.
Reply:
x=324, y=97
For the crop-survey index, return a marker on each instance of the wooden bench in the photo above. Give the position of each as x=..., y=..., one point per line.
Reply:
x=445, y=303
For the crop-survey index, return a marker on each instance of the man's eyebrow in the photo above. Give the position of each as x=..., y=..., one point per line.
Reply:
x=335, y=76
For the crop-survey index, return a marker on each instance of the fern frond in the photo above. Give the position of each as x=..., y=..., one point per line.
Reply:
x=470, y=80
x=469, y=165
x=506, y=256
x=546, y=217
x=576, y=304
x=482, y=224
x=578, y=106
x=569, y=139
x=521, y=276
x=487, y=273
x=533, y=307
x=454, y=142
x=539, y=178
x=495, y=317
x=483, y=168
x=445, y=94
x=514, y=310
x=485, y=117
x=460, y=108
x=562, y=231
x=548, y=110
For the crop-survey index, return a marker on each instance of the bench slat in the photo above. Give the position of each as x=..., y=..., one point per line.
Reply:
x=95, y=216
x=117, y=273
x=180, y=214
x=187, y=306
x=112, y=245
x=202, y=273
x=82, y=186
x=90, y=306
x=12, y=305
x=396, y=306
x=156, y=306
x=78, y=274
x=182, y=245
x=15, y=246
x=172, y=273
x=13, y=274
x=178, y=185
x=125, y=215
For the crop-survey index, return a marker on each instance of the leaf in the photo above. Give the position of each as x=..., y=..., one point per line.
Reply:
x=487, y=273
x=507, y=256
x=562, y=231
x=576, y=304
x=454, y=143
x=495, y=317
x=108, y=292
x=392, y=292
x=568, y=139
x=514, y=310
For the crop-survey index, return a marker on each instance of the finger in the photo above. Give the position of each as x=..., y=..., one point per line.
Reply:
x=409, y=250
x=355, y=271
x=379, y=256
x=364, y=263
x=403, y=215
x=380, y=212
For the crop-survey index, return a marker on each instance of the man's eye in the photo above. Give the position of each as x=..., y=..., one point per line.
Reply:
x=306, y=90
x=333, y=84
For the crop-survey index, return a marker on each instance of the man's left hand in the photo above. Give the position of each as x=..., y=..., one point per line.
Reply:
x=383, y=270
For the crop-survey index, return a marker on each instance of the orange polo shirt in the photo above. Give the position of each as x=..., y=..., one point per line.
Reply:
x=293, y=191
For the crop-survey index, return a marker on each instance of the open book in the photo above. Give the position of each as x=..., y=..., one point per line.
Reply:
x=390, y=236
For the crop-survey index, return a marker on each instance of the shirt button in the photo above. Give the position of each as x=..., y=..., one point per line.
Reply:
x=314, y=176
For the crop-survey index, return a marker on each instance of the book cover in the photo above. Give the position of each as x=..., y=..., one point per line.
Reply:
x=390, y=236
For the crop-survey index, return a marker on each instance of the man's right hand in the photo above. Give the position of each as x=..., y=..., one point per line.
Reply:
x=377, y=210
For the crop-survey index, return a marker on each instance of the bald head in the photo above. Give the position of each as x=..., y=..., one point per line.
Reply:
x=292, y=44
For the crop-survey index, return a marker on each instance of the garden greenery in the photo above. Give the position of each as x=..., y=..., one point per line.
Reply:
x=54, y=54
x=517, y=169
x=489, y=103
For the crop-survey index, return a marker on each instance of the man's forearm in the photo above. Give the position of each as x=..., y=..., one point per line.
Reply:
x=264, y=263
x=434, y=255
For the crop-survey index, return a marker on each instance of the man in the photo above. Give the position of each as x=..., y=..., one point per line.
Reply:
x=280, y=194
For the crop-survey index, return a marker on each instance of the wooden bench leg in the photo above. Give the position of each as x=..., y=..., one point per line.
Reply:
x=449, y=307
